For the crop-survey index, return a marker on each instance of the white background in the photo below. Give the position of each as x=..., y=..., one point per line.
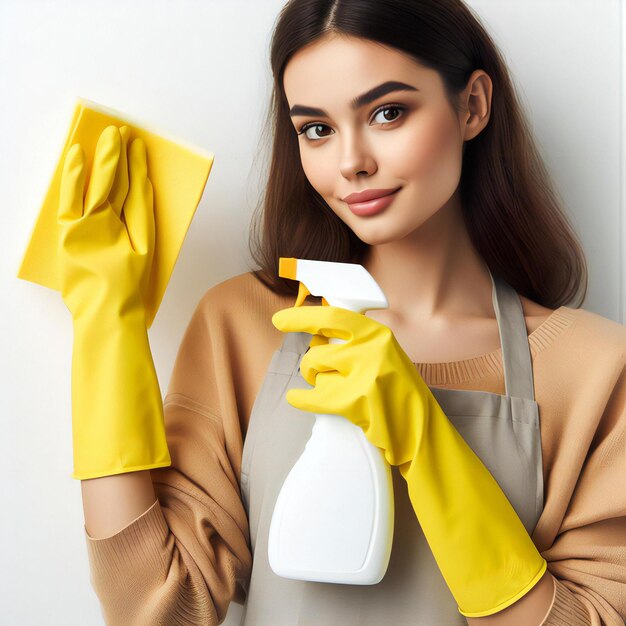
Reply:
x=200, y=71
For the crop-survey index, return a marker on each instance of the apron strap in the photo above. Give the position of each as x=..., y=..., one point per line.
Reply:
x=516, y=360
x=296, y=342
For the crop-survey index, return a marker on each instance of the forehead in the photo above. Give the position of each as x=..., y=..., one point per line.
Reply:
x=338, y=66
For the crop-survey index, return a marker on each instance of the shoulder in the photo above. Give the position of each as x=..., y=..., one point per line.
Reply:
x=586, y=325
x=579, y=360
x=586, y=348
x=233, y=287
x=243, y=294
x=598, y=331
x=578, y=354
x=239, y=311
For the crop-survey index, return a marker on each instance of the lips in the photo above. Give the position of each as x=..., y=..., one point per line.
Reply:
x=369, y=194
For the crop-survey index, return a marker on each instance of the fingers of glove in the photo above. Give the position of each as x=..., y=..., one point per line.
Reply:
x=324, y=358
x=329, y=321
x=119, y=190
x=139, y=206
x=321, y=399
x=72, y=185
x=104, y=167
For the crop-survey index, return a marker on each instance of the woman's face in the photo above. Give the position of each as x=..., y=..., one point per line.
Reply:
x=411, y=139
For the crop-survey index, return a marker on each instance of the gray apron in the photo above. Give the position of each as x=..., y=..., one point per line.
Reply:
x=503, y=431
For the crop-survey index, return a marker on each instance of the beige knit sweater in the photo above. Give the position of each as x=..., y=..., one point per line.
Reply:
x=184, y=559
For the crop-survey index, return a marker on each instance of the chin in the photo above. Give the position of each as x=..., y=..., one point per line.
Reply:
x=376, y=236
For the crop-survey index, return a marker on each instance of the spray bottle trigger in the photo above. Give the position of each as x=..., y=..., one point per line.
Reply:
x=303, y=292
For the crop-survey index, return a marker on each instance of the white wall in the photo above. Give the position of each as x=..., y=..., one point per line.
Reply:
x=199, y=70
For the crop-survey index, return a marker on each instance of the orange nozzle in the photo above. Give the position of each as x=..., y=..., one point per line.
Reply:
x=287, y=267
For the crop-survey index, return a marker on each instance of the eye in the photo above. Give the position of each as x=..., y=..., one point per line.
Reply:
x=389, y=108
x=317, y=125
x=304, y=130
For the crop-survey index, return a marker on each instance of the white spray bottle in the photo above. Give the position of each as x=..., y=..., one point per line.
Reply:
x=334, y=516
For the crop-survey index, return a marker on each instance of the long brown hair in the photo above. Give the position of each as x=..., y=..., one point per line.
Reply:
x=510, y=207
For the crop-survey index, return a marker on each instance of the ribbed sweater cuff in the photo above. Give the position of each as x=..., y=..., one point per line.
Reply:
x=142, y=541
x=567, y=609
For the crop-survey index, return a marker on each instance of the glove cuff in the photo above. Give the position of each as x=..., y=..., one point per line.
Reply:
x=117, y=409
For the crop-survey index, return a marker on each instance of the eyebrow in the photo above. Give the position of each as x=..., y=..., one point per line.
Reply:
x=359, y=101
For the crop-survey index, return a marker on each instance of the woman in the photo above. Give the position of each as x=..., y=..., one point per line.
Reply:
x=476, y=258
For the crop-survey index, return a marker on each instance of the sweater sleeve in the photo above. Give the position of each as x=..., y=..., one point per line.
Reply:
x=185, y=558
x=588, y=555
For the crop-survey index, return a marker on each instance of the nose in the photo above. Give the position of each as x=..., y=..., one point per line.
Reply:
x=356, y=156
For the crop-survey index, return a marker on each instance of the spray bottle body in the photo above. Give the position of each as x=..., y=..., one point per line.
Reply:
x=334, y=516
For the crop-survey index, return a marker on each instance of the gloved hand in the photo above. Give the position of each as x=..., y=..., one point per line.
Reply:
x=105, y=251
x=485, y=555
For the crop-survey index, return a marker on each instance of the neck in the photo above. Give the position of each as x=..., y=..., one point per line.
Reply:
x=435, y=273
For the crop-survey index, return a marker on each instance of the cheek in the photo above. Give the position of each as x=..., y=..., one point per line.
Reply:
x=321, y=173
x=431, y=153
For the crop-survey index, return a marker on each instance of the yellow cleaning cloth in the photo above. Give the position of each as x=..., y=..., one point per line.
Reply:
x=178, y=173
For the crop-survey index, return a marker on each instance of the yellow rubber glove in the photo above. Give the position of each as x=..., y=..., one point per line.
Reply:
x=106, y=246
x=485, y=555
